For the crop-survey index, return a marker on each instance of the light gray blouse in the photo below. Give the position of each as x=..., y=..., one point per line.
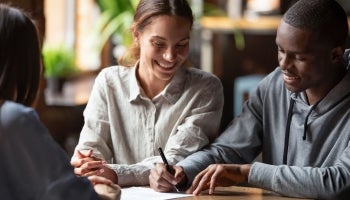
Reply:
x=125, y=127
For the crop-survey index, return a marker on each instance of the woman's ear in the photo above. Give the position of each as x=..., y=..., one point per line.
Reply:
x=337, y=54
x=135, y=36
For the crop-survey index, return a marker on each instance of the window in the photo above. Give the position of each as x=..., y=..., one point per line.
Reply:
x=71, y=23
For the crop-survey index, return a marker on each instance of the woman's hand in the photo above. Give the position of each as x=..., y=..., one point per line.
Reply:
x=162, y=181
x=219, y=175
x=88, y=165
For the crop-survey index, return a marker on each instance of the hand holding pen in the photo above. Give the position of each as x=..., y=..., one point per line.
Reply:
x=168, y=168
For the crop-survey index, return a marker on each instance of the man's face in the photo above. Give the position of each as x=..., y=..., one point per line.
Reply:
x=305, y=63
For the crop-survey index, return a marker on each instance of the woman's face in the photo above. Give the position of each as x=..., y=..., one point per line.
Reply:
x=164, y=46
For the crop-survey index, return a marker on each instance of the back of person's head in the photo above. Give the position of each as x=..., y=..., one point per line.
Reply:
x=20, y=63
x=326, y=18
x=146, y=11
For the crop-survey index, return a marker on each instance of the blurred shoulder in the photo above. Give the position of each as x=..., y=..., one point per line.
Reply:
x=10, y=109
x=15, y=114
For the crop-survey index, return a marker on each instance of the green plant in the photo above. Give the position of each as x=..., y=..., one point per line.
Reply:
x=210, y=9
x=59, y=62
x=115, y=20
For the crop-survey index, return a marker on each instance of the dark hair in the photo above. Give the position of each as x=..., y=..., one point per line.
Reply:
x=145, y=12
x=20, y=63
x=326, y=18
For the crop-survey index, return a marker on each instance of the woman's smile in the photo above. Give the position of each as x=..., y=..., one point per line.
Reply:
x=165, y=67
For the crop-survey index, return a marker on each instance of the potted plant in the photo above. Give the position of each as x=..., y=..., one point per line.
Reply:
x=59, y=65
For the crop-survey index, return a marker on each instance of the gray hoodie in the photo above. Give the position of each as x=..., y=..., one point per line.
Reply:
x=315, y=163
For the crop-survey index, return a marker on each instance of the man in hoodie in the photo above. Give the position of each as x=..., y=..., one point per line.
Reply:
x=299, y=117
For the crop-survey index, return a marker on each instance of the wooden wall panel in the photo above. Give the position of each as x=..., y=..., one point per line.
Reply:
x=35, y=8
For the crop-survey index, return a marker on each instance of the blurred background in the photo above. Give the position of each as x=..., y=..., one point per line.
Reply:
x=233, y=39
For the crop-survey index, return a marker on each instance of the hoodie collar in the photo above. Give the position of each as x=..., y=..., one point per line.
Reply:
x=337, y=94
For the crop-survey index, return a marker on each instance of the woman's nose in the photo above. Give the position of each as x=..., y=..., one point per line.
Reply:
x=169, y=54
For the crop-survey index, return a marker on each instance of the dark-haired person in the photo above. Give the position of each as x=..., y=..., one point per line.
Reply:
x=299, y=117
x=33, y=165
x=155, y=101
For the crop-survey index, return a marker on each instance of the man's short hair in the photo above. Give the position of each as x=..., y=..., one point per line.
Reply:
x=326, y=18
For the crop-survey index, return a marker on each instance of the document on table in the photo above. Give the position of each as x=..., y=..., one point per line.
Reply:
x=145, y=193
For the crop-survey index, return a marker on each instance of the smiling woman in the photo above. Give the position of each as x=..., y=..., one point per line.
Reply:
x=151, y=101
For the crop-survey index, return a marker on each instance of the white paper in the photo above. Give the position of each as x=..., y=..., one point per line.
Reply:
x=134, y=193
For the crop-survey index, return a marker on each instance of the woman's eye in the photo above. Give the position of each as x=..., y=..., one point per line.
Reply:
x=182, y=45
x=158, y=44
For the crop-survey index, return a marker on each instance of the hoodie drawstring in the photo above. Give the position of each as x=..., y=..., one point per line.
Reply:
x=307, y=119
x=286, y=138
x=289, y=119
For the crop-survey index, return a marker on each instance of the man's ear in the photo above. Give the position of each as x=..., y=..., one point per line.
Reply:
x=337, y=54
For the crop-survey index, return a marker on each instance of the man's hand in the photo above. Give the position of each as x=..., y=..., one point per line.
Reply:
x=99, y=180
x=219, y=175
x=105, y=188
x=162, y=181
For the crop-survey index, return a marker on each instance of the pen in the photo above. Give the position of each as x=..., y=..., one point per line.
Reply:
x=165, y=161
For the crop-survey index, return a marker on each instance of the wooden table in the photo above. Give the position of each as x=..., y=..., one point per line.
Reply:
x=238, y=193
